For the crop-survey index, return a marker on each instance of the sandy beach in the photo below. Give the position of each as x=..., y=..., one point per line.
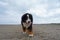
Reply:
x=41, y=32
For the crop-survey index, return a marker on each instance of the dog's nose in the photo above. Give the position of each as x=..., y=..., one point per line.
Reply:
x=28, y=21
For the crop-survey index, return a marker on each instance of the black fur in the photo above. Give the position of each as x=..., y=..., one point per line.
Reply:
x=24, y=18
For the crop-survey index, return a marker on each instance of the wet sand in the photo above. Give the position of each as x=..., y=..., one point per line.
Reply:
x=41, y=32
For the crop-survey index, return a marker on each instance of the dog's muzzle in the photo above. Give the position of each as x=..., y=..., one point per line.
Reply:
x=27, y=24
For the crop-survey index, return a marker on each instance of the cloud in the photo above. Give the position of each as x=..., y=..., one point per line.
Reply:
x=3, y=3
x=43, y=11
x=38, y=10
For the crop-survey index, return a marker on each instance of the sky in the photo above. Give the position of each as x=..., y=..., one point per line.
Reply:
x=43, y=11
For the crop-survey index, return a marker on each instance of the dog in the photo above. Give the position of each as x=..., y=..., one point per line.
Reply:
x=26, y=22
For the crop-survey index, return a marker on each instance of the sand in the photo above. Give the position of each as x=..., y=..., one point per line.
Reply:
x=41, y=32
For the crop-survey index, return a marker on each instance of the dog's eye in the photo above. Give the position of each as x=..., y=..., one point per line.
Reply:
x=24, y=21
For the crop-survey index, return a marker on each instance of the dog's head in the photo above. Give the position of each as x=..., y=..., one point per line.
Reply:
x=27, y=19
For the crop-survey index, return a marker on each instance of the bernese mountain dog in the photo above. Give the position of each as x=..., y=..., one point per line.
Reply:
x=26, y=22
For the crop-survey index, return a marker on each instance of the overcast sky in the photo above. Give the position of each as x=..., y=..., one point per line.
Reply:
x=43, y=11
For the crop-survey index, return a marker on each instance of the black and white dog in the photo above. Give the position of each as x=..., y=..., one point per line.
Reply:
x=26, y=22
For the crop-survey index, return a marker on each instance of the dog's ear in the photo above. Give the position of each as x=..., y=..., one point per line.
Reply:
x=31, y=17
x=23, y=18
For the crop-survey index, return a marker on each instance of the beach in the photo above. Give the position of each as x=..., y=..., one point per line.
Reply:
x=41, y=32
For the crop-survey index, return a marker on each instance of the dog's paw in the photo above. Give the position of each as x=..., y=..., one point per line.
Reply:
x=31, y=35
